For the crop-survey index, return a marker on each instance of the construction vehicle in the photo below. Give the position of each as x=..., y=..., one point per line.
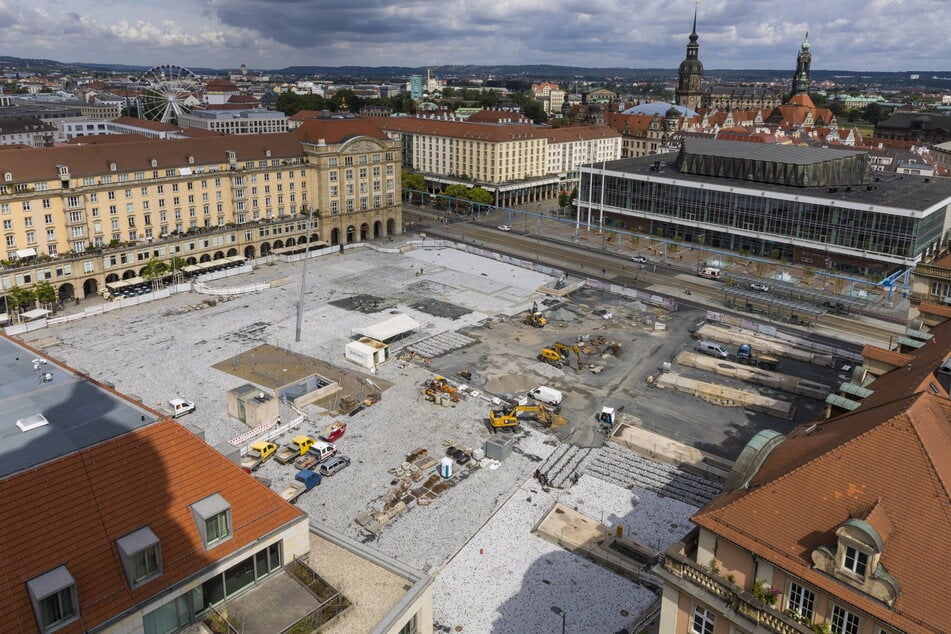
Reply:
x=440, y=384
x=332, y=432
x=509, y=418
x=298, y=447
x=535, y=319
x=559, y=352
x=258, y=454
x=745, y=356
x=304, y=481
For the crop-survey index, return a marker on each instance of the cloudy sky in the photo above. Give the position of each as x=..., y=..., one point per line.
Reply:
x=845, y=34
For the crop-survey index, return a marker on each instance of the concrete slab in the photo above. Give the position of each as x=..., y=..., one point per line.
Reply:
x=273, y=604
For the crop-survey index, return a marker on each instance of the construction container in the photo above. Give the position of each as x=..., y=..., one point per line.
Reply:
x=478, y=454
x=499, y=449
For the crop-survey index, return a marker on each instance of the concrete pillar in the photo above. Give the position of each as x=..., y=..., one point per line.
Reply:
x=669, y=609
x=706, y=546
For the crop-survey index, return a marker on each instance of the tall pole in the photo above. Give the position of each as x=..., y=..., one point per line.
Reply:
x=303, y=277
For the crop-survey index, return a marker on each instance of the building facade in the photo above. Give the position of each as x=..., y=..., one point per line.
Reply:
x=828, y=529
x=81, y=216
x=250, y=121
x=516, y=162
x=812, y=206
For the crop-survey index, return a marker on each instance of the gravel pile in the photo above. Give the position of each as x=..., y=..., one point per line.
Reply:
x=546, y=370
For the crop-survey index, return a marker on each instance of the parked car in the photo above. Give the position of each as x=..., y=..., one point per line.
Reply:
x=333, y=465
x=640, y=259
x=759, y=286
x=504, y=228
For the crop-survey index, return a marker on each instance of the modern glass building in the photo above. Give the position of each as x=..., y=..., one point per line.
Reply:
x=812, y=206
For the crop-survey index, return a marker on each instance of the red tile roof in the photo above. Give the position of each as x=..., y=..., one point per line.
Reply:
x=461, y=129
x=334, y=131
x=889, y=461
x=578, y=133
x=72, y=510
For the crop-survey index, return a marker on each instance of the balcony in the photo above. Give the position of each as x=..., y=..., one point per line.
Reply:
x=933, y=272
x=679, y=563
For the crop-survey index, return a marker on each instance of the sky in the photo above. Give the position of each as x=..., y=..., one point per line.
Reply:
x=885, y=35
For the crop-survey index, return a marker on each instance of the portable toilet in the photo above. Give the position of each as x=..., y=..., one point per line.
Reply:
x=445, y=467
x=606, y=417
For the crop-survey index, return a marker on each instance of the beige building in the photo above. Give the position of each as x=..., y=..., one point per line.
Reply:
x=551, y=96
x=836, y=527
x=81, y=216
x=516, y=162
x=245, y=121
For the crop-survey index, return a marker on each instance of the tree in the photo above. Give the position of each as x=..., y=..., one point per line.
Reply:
x=44, y=292
x=480, y=195
x=873, y=113
x=345, y=101
x=564, y=199
x=18, y=297
x=155, y=269
x=413, y=181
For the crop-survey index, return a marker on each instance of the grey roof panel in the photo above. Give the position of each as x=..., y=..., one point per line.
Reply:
x=80, y=413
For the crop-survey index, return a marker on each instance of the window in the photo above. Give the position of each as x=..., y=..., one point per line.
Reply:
x=801, y=601
x=855, y=561
x=213, y=519
x=843, y=621
x=702, y=622
x=53, y=595
x=141, y=556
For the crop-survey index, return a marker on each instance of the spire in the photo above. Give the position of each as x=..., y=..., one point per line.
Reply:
x=805, y=42
x=693, y=33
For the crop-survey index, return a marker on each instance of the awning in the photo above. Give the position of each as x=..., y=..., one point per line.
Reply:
x=36, y=313
x=26, y=253
x=388, y=328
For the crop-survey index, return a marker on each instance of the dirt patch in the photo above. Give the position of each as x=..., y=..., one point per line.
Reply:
x=439, y=308
x=366, y=304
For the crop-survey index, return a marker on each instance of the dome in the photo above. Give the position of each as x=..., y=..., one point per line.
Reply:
x=691, y=66
x=659, y=108
x=672, y=112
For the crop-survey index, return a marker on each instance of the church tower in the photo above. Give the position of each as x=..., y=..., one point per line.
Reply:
x=690, y=74
x=800, y=82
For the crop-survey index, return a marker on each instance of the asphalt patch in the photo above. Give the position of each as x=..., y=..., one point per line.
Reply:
x=439, y=308
x=366, y=304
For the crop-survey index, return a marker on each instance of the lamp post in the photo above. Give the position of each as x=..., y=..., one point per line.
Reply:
x=303, y=276
x=560, y=613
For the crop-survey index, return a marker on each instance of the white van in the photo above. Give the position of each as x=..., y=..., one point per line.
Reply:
x=180, y=407
x=710, y=272
x=547, y=395
x=713, y=349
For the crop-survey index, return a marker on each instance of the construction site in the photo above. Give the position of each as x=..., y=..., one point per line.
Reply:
x=509, y=429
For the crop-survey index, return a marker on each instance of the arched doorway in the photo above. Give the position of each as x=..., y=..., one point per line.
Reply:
x=191, y=261
x=315, y=237
x=351, y=233
x=390, y=227
x=249, y=252
x=364, y=231
x=65, y=291
x=112, y=277
x=278, y=244
x=335, y=236
x=128, y=275
x=205, y=258
x=265, y=248
x=90, y=287
x=232, y=253
x=142, y=271
x=290, y=242
x=377, y=228
x=218, y=256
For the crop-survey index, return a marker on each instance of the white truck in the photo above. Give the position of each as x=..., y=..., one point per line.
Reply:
x=180, y=407
x=547, y=395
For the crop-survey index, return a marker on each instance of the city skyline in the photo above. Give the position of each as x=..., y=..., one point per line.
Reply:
x=874, y=36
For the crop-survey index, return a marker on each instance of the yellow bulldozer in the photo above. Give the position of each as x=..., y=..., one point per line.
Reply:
x=535, y=319
x=559, y=353
x=510, y=417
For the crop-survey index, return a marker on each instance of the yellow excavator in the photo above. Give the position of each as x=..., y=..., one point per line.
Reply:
x=509, y=418
x=535, y=319
x=558, y=353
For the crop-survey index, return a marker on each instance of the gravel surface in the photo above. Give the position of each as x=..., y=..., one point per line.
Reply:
x=519, y=576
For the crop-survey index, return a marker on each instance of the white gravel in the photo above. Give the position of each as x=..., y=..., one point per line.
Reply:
x=519, y=576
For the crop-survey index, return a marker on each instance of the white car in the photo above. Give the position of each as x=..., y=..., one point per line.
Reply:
x=640, y=259
x=504, y=228
x=759, y=286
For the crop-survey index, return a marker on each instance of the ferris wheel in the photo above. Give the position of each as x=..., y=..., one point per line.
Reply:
x=167, y=91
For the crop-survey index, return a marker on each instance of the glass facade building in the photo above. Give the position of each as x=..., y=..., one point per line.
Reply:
x=868, y=232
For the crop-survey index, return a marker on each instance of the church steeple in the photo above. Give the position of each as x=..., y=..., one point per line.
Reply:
x=690, y=74
x=800, y=82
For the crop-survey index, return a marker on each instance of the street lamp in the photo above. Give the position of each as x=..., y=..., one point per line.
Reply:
x=560, y=613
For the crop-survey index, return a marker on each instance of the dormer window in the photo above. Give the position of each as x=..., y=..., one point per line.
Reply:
x=153, y=163
x=855, y=561
x=112, y=167
x=191, y=160
x=8, y=176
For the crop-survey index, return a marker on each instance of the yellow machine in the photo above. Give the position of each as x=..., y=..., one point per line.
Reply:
x=510, y=418
x=559, y=353
x=535, y=318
